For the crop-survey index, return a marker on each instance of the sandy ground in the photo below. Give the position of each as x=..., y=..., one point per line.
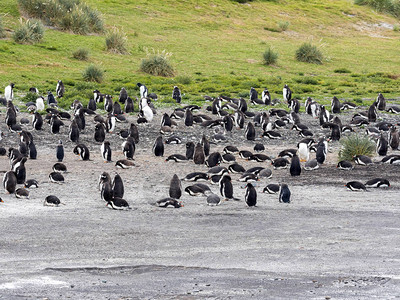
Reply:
x=329, y=243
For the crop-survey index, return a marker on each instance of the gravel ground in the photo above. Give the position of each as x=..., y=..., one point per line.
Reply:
x=329, y=243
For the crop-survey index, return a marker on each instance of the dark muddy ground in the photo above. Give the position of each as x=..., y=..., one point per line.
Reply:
x=328, y=243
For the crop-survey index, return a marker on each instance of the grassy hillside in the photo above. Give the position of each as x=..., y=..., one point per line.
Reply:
x=216, y=48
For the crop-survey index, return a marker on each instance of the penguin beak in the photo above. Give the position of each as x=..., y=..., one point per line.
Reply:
x=1, y=200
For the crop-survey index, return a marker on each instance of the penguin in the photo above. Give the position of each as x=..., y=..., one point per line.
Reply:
x=134, y=133
x=189, y=150
x=355, y=186
x=304, y=153
x=118, y=186
x=110, y=123
x=188, y=117
x=197, y=189
x=323, y=115
x=22, y=193
x=59, y=167
x=166, y=120
x=251, y=195
x=228, y=123
x=129, y=148
x=271, y=188
x=248, y=177
x=311, y=165
x=255, y=170
x=287, y=93
x=124, y=164
x=380, y=102
x=239, y=119
x=60, y=151
x=213, y=200
x=394, y=138
x=322, y=150
x=10, y=182
x=51, y=200
x=231, y=149
x=265, y=173
x=236, y=168
x=92, y=104
x=158, y=146
x=8, y=92
x=226, y=188
x=169, y=202
x=206, y=145
x=174, y=140
x=295, y=167
x=106, y=151
x=177, y=158
x=143, y=90
x=56, y=177
x=284, y=195
x=242, y=105
x=20, y=170
x=335, y=105
x=362, y=160
x=107, y=193
x=176, y=94
x=344, y=165
x=147, y=113
x=253, y=94
x=108, y=103
x=266, y=97
x=348, y=105
x=32, y=150
x=116, y=110
x=245, y=154
x=273, y=135
x=60, y=89
x=82, y=151
x=372, y=113
x=117, y=203
x=196, y=176
x=55, y=125
x=280, y=163
x=259, y=147
x=394, y=110
x=259, y=157
x=382, y=146
x=39, y=103
x=214, y=159
x=37, y=121
x=123, y=96
x=175, y=187
x=99, y=133
x=228, y=158
x=199, y=155
x=294, y=105
x=377, y=183
x=73, y=133
x=23, y=149
x=250, y=132
x=129, y=106
x=335, y=133
x=97, y=96
x=217, y=170
x=50, y=99
x=31, y=183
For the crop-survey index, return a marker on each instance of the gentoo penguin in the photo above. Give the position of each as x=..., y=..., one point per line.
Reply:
x=228, y=123
x=372, y=113
x=143, y=90
x=294, y=105
x=158, y=146
x=197, y=189
x=382, y=146
x=355, y=186
x=217, y=170
x=107, y=193
x=253, y=94
x=59, y=167
x=344, y=165
x=20, y=170
x=295, y=167
x=196, y=176
x=134, y=133
x=40, y=103
x=214, y=159
x=169, y=202
x=166, y=120
x=231, y=149
x=259, y=157
x=31, y=183
x=394, y=109
x=60, y=89
x=108, y=103
x=37, y=121
x=123, y=96
x=228, y=158
x=377, y=183
x=10, y=182
x=213, y=200
x=50, y=99
x=245, y=154
x=248, y=177
x=271, y=188
x=176, y=158
x=348, y=105
x=92, y=105
x=284, y=195
x=362, y=160
x=82, y=151
x=236, y=168
x=60, y=151
x=116, y=109
x=129, y=148
x=335, y=132
x=250, y=132
x=106, y=151
x=335, y=105
x=32, y=150
x=118, y=186
x=51, y=200
x=323, y=115
x=206, y=145
x=124, y=164
x=174, y=140
x=129, y=106
x=55, y=124
x=147, y=113
x=273, y=135
x=322, y=150
x=97, y=96
x=311, y=165
x=242, y=105
x=188, y=117
x=189, y=150
x=99, y=133
x=8, y=92
x=199, y=156
x=380, y=102
x=251, y=195
x=288, y=153
x=266, y=97
x=175, y=187
x=118, y=204
x=280, y=163
x=176, y=94
x=56, y=177
x=73, y=133
x=394, y=138
x=304, y=153
x=226, y=187
x=287, y=93
x=111, y=123
x=259, y=147
x=22, y=193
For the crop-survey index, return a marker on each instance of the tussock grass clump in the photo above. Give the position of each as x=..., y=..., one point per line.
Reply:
x=356, y=145
x=387, y=6
x=29, y=32
x=93, y=73
x=157, y=64
x=81, y=54
x=283, y=25
x=270, y=57
x=309, y=54
x=116, y=42
x=72, y=15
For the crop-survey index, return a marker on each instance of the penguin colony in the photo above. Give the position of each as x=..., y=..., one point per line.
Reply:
x=255, y=127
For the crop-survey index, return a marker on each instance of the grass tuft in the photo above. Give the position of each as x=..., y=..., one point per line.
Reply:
x=283, y=25
x=356, y=145
x=341, y=70
x=270, y=57
x=29, y=32
x=93, y=73
x=387, y=6
x=157, y=64
x=309, y=54
x=81, y=54
x=116, y=41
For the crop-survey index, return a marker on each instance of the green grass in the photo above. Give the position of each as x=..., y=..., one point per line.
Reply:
x=356, y=145
x=270, y=56
x=218, y=46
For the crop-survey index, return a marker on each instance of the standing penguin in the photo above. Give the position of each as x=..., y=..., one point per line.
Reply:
x=226, y=187
x=239, y=119
x=60, y=151
x=32, y=150
x=284, y=195
x=266, y=97
x=380, y=102
x=8, y=92
x=228, y=123
x=253, y=94
x=382, y=146
x=175, y=187
x=199, y=156
x=20, y=170
x=116, y=109
x=37, y=121
x=251, y=195
x=176, y=94
x=99, y=133
x=143, y=90
x=295, y=167
x=394, y=138
x=118, y=186
x=60, y=89
x=108, y=103
x=10, y=182
x=39, y=103
x=322, y=149
x=250, y=132
x=189, y=150
x=287, y=93
x=188, y=117
x=372, y=113
x=111, y=123
x=158, y=147
x=206, y=145
x=106, y=151
x=82, y=151
x=304, y=152
x=55, y=124
x=323, y=115
x=50, y=99
x=335, y=105
x=129, y=107
x=134, y=133
x=73, y=133
x=128, y=148
x=92, y=104
x=123, y=96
